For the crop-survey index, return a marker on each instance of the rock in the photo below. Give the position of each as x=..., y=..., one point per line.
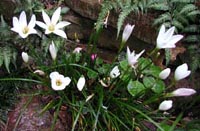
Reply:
x=82, y=28
x=7, y=8
x=143, y=29
x=31, y=119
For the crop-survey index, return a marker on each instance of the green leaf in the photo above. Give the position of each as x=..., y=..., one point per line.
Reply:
x=135, y=87
x=194, y=125
x=92, y=74
x=144, y=63
x=7, y=58
x=124, y=64
x=158, y=87
x=1, y=58
x=152, y=71
x=167, y=56
x=149, y=82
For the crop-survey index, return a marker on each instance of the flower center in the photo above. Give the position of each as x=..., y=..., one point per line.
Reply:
x=25, y=30
x=51, y=27
x=58, y=82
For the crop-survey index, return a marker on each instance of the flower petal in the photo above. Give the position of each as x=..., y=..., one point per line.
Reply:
x=54, y=75
x=56, y=16
x=183, y=92
x=165, y=105
x=22, y=19
x=46, y=18
x=62, y=24
x=41, y=24
x=66, y=81
x=81, y=83
x=60, y=33
x=174, y=39
x=32, y=22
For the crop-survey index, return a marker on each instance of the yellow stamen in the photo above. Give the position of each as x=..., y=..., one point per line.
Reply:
x=51, y=27
x=25, y=30
x=58, y=82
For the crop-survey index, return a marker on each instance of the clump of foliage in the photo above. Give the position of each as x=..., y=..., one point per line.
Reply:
x=124, y=8
x=125, y=94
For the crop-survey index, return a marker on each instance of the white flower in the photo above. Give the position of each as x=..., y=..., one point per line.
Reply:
x=164, y=73
x=115, y=72
x=77, y=50
x=52, y=25
x=183, y=92
x=132, y=57
x=165, y=105
x=181, y=72
x=25, y=57
x=81, y=83
x=58, y=81
x=127, y=32
x=39, y=72
x=53, y=50
x=21, y=27
x=167, y=39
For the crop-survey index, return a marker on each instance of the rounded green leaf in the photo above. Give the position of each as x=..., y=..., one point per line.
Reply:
x=158, y=87
x=135, y=87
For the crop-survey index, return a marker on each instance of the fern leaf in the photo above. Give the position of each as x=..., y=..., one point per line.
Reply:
x=183, y=1
x=188, y=8
x=7, y=58
x=178, y=24
x=159, y=6
x=162, y=18
x=106, y=7
x=193, y=13
x=1, y=57
x=122, y=17
x=192, y=38
x=191, y=29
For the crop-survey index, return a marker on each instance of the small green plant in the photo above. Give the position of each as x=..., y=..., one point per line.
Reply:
x=121, y=95
x=123, y=8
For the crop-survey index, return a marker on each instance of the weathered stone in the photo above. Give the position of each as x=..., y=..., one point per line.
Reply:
x=143, y=29
x=82, y=28
x=31, y=119
x=7, y=8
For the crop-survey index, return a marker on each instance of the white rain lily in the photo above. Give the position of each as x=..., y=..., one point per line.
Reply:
x=132, y=57
x=166, y=39
x=81, y=83
x=25, y=57
x=53, y=50
x=164, y=73
x=39, y=72
x=58, y=81
x=181, y=72
x=127, y=32
x=183, y=92
x=21, y=27
x=165, y=105
x=52, y=25
x=115, y=72
x=77, y=50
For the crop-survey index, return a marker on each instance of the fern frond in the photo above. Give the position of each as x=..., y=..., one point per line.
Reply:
x=7, y=55
x=159, y=6
x=106, y=7
x=122, y=17
x=178, y=24
x=183, y=1
x=188, y=8
x=192, y=39
x=162, y=18
x=193, y=13
x=192, y=29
